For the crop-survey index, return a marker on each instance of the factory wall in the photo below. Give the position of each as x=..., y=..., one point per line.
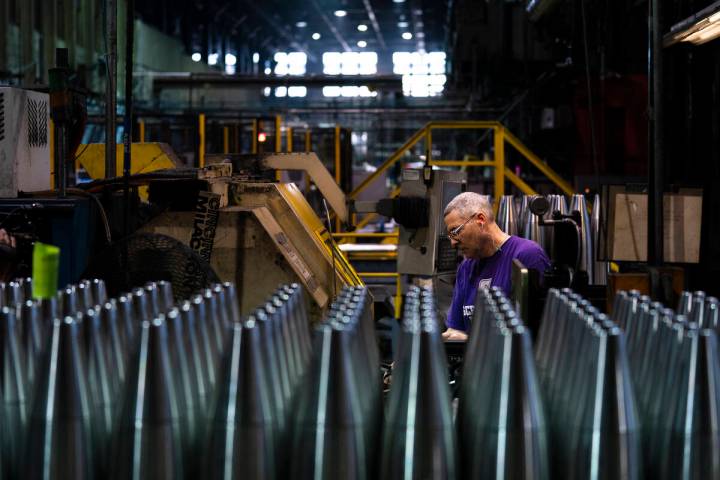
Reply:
x=25, y=58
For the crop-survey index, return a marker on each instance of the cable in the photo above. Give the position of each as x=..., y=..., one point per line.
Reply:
x=332, y=248
x=103, y=214
x=82, y=193
x=11, y=213
x=77, y=157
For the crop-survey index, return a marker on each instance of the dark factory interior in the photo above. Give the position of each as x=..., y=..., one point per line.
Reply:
x=359, y=239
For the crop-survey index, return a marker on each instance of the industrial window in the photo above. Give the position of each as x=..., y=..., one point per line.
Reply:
x=350, y=63
x=348, y=91
x=294, y=91
x=423, y=73
x=290, y=63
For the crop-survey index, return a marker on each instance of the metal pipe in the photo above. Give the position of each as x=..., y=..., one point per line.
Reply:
x=655, y=131
x=111, y=90
x=127, y=130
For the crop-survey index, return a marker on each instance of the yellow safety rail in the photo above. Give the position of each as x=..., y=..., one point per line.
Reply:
x=501, y=138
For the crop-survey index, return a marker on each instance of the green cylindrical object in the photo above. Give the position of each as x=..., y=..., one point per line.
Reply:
x=45, y=268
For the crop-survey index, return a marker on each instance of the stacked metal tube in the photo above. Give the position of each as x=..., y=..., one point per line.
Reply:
x=500, y=420
x=338, y=416
x=111, y=388
x=507, y=218
x=418, y=435
x=263, y=371
x=585, y=377
x=529, y=227
x=676, y=373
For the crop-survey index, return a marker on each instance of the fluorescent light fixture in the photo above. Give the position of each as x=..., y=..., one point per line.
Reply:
x=407, y=36
x=230, y=59
x=700, y=28
x=316, y=36
x=403, y=24
x=362, y=27
x=213, y=59
x=301, y=24
x=398, y=1
x=196, y=57
x=268, y=70
x=362, y=44
x=256, y=57
x=230, y=69
x=340, y=13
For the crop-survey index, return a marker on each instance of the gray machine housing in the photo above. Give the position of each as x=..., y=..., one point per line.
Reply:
x=427, y=250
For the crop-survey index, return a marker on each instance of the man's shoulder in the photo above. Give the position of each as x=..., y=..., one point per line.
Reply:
x=523, y=247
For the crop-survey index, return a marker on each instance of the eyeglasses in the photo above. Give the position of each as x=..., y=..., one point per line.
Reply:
x=456, y=231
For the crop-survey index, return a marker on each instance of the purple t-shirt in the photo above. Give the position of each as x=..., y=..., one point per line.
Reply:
x=489, y=272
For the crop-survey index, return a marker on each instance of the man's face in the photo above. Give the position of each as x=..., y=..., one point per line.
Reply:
x=472, y=237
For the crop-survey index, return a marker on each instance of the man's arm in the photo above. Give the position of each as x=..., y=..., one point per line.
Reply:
x=6, y=238
x=454, y=320
x=7, y=255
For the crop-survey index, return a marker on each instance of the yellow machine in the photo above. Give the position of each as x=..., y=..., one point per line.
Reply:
x=259, y=233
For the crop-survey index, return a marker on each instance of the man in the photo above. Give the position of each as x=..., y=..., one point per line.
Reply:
x=488, y=253
x=7, y=255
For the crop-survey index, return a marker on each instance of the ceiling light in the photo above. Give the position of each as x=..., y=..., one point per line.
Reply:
x=316, y=36
x=407, y=35
x=230, y=59
x=213, y=59
x=362, y=27
x=398, y=1
x=340, y=13
x=196, y=57
x=402, y=24
x=301, y=24
x=700, y=28
x=256, y=57
x=362, y=44
x=268, y=70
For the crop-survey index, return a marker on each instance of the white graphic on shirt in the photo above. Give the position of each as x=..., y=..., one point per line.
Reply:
x=468, y=310
x=485, y=283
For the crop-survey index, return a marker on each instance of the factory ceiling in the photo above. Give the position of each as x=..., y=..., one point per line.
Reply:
x=310, y=26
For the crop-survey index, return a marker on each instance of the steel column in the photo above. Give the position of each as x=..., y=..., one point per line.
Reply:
x=111, y=90
x=499, y=146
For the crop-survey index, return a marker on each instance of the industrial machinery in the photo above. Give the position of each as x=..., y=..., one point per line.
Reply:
x=253, y=230
x=24, y=141
x=423, y=247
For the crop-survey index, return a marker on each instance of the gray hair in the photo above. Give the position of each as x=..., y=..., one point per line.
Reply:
x=470, y=203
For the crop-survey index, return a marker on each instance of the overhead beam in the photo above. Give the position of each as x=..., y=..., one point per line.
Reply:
x=183, y=80
x=331, y=26
x=375, y=24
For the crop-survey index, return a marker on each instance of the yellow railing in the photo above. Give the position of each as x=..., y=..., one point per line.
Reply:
x=501, y=138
